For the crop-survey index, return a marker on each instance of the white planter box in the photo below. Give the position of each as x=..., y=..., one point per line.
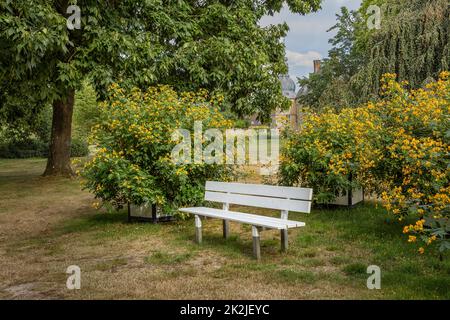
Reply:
x=357, y=196
x=146, y=212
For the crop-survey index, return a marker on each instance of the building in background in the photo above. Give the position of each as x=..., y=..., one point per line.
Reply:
x=282, y=118
x=292, y=116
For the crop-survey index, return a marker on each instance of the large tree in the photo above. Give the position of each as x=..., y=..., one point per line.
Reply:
x=212, y=44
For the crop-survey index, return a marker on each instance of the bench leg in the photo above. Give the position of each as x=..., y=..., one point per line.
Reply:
x=198, y=230
x=226, y=228
x=284, y=240
x=256, y=244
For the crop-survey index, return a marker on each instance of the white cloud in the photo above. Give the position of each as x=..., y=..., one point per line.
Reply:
x=307, y=38
x=298, y=59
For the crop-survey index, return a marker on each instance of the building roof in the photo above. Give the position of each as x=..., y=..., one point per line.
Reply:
x=287, y=86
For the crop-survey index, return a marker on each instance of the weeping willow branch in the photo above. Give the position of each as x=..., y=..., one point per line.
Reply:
x=413, y=42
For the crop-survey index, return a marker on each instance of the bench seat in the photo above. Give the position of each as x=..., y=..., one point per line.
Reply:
x=280, y=198
x=253, y=219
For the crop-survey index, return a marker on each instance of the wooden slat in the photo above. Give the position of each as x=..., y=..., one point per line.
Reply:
x=256, y=220
x=246, y=216
x=260, y=202
x=260, y=190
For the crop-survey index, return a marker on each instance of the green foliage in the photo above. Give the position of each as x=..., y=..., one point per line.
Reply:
x=214, y=45
x=28, y=148
x=397, y=148
x=241, y=124
x=36, y=148
x=24, y=122
x=416, y=159
x=79, y=148
x=86, y=111
x=413, y=43
x=27, y=138
x=135, y=139
x=331, y=87
x=41, y=126
x=332, y=153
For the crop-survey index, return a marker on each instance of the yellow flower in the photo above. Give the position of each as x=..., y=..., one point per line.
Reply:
x=412, y=239
x=421, y=250
x=431, y=239
x=96, y=205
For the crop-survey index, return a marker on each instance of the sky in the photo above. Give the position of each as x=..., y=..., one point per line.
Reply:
x=307, y=39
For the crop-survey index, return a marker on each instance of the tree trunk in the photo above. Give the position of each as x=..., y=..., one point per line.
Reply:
x=58, y=162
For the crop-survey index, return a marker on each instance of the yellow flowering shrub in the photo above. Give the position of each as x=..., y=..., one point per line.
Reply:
x=133, y=163
x=416, y=158
x=332, y=153
x=398, y=148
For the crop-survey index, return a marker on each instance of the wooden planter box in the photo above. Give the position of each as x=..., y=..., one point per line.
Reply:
x=147, y=212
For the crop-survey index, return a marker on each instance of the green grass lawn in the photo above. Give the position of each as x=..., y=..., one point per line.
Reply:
x=47, y=224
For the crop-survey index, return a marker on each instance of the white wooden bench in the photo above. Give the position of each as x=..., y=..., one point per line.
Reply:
x=254, y=195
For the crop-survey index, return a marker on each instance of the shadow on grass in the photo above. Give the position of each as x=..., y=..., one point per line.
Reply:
x=234, y=246
x=94, y=222
x=111, y=226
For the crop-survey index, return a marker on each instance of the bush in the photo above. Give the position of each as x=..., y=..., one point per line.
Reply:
x=85, y=111
x=133, y=163
x=79, y=148
x=398, y=147
x=25, y=139
x=34, y=148
x=241, y=124
x=24, y=149
x=332, y=153
x=416, y=160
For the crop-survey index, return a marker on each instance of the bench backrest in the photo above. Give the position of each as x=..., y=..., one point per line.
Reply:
x=261, y=196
